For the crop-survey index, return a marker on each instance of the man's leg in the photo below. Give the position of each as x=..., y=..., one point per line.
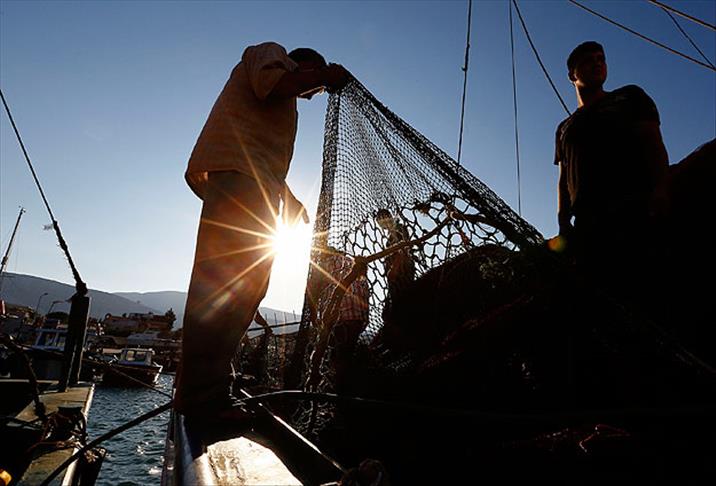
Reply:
x=231, y=271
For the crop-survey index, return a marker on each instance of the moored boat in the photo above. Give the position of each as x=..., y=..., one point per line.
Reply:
x=134, y=367
x=46, y=355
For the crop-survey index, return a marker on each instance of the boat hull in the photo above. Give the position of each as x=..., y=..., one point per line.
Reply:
x=131, y=376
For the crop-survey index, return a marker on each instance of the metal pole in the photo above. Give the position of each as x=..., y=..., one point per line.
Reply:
x=52, y=306
x=74, y=345
x=37, y=306
x=3, y=263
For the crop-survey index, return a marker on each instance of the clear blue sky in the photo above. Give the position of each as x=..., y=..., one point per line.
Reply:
x=110, y=98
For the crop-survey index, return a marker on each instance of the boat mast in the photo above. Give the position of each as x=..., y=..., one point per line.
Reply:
x=3, y=263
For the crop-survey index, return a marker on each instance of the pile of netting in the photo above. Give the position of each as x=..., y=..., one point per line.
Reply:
x=428, y=295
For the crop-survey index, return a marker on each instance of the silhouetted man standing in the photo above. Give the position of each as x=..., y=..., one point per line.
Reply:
x=611, y=157
x=238, y=168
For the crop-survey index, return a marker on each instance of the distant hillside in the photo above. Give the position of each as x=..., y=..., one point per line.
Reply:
x=163, y=300
x=26, y=290
x=175, y=300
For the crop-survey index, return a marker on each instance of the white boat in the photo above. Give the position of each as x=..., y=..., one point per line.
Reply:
x=134, y=365
x=46, y=355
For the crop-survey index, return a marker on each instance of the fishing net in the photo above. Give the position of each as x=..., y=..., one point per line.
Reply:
x=394, y=209
x=425, y=289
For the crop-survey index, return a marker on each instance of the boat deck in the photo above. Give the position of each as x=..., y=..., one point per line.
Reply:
x=271, y=452
x=40, y=467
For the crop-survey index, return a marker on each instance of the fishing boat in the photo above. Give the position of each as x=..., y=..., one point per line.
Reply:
x=134, y=367
x=266, y=451
x=472, y=410
x=46, y=353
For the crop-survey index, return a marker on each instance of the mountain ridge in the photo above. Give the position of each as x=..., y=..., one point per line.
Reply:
x=28, y=290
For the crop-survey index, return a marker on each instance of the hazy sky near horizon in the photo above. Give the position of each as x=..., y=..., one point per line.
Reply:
x=110, y=97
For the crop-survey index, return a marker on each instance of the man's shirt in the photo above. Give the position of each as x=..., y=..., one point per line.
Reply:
x=600, y=147
x=246, y=130
x=354, y=305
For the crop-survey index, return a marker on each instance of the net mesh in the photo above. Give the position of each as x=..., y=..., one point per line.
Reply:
x=426, y=288
x=393, y=208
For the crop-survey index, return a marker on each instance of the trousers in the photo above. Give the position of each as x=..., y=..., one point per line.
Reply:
x=230, y=276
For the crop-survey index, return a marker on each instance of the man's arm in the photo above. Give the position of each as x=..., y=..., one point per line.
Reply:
x=293, y=209
x=657, y=159
x=653, y=150
x=294, y=83
x=564, y=211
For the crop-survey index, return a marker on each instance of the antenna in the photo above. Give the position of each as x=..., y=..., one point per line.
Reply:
x=3, y=263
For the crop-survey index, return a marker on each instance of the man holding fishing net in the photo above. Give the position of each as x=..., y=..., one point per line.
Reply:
x=238, y=168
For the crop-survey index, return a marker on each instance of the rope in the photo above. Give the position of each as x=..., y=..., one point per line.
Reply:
x=676, y=23
x=648, y=39
x=685, y=15
x=514, y=103
x=103, y=437
x=80, y=286
x=464, y=81
x=539, y=60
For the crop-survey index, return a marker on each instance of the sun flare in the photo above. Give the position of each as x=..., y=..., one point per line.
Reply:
x=291, y=243
x=291, y=247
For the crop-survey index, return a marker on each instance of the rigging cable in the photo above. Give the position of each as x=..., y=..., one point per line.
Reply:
x=464, y=82
x=648, y=39
x=684, y=15
x=514, y=104
x=676, y=23
x=539, y=60
x=80, y=286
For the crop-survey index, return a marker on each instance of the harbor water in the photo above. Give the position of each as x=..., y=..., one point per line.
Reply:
x=136, y=456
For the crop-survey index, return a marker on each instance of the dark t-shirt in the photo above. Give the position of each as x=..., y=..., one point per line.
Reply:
x=601, y=151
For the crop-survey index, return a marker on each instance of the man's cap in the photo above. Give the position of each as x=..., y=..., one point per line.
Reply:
x=576, y=55
x=306, y=54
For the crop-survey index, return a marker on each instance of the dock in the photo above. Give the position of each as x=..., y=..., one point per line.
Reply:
x=17, y=437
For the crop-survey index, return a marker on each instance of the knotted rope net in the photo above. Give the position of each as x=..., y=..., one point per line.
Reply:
x=393, y=207
x=426, y=289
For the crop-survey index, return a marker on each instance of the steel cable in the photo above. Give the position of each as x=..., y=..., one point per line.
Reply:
x=80, y=286
x=464, y=82
x=514, y=104
x=684, y=15
x=676, y=23
x=648, y=39
x=539, y=59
